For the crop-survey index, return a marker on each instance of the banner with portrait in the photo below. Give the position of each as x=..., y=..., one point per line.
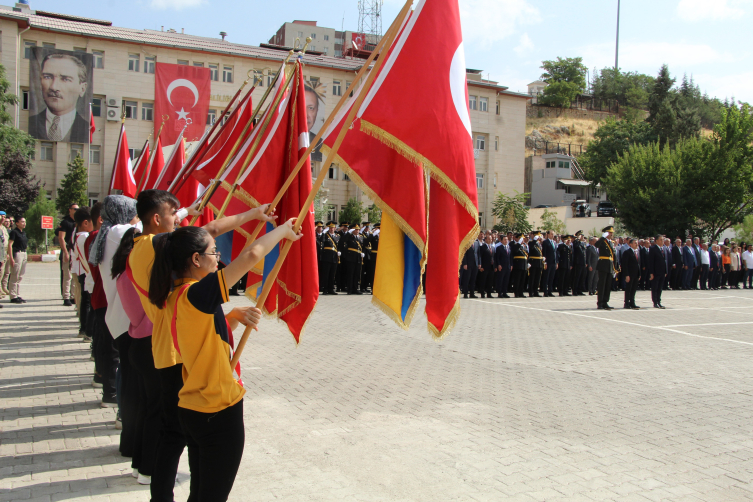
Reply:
x=316, y=100
x=60, y=91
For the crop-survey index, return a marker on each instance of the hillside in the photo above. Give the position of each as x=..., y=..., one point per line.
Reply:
x=576, y=131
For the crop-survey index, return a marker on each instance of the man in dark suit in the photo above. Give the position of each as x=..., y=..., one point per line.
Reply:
x=579, y=265
x=504, y=267
x=468, y=271
x=657, y=272
x=565, y=265
x=688, y=258
x=64, y=79
x=550, y=262
x=677, y=265
x=714, y=266
x=330, y=258
x=486, y=268
x=631, y=271
x=667, y=250
x=698, y=265
x=643, y=284
x=592, y=260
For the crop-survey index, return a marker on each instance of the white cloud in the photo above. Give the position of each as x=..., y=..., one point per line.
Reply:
x=739, y=86
x=649, y=56
x=703, y=10
x=175, y=4
x=525, y=46
x=486, y=22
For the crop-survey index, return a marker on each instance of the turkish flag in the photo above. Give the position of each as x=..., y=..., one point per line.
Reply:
x=122, y=171
x=155, y=169
x=182, y=93
x=139, y=169
x=92, y=127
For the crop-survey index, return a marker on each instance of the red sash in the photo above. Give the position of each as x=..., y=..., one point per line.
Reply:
x=129, y=273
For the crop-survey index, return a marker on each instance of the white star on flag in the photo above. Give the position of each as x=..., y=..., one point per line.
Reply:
x=182, y=114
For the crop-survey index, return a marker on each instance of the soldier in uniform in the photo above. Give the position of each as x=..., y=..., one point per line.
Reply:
x=564, y=258
x=373, y=250
x=519, y=265
x=330, y=258
x=536, y=262
x=579, y=264
x=366, y=267
x=340, y=277
x=352, y=252
x=319, y=227
x=606, y=267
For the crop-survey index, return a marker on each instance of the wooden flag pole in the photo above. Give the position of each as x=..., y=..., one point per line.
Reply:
x=272, y=277
x=145, y=174
x=212, y=188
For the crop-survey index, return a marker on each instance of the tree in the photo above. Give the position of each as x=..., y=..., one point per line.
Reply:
x=352, y=212
x=16, y=140
x=511, y=212
x=660, y=92
x=549, y=221
x=6, y=98
x=320, y=205
x=41, y=207
x=566, y=78
x=18, y=187
x=744, y=230
x=374, y=214
x=74, y=187
x=612, y=138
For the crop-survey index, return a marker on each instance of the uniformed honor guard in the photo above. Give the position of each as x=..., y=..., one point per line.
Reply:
x=519, y=265
x=366, y=267
x=536, y=262
x=352, y=258
x=340, y=277
x=330, y=258
x=319, y=227
x=606, y=266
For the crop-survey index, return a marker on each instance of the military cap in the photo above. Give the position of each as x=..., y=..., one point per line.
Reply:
x=610, y=228
x=319, y=224
x=579, y=233
x=331, y=224
x=518, y=235
x=377, y=225
x=355, y=226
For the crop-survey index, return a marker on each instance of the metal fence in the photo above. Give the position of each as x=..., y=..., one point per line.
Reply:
x=581, y=102
x=571, y=149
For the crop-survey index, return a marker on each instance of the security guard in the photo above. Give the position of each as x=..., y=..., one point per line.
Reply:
x=352, y=258
x=330, y=258
x=606, y=267
x=519, y=265
x=536, y=262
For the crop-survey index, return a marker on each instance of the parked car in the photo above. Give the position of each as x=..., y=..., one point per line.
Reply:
x=606, y=208
x=541, y=206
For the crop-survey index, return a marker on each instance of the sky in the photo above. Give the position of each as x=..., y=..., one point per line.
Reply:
x=506, y=39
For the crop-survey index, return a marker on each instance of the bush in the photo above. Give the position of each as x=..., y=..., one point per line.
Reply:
x=40, y=207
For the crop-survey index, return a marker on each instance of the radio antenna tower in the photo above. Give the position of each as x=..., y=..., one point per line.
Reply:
x=370, y=20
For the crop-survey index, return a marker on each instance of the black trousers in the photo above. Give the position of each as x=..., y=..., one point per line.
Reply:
x=564, y=284
x=694, y=278
x=485, y=281
x=352, y=275
x=502, y=278
x=534, y=279
x=215, y=448
x=468, y=279
x=630, y=288
x=106, y=354
x=327, y=277
x=85, y=304
x=549, y=278
x=704, y=276
x=656, y=289
x=579, y=281
x=128, y=399
x=518, y=280
x=172, y=440
x=147, y=420
x=604, y=288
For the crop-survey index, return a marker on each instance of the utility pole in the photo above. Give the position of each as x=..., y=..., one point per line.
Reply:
x=617, y=43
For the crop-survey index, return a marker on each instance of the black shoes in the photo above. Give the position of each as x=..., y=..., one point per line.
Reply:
x=67, y=303
x=17, y=299
x=658, y=306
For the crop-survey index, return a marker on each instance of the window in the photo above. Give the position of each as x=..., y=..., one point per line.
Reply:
x=28, y=44
x=312, y=47
x=336, y=88
x=271, y=78
x=326, y=38
x=211, y=117
x=227, y=74
x=326, y=51
x=346, y=177
x=99, y=59
x=93, y=198
x=347, y=86
x=131, y=109
x=77, y=150
x=314, y=81
x=479, y=180
x=147, y=111
x=300, y=34
x=332, y=212
x=258, y=78
x=24, y=100
x=45, y=151
x=496, y=143
x=133, y=62
x=333, y=174
x=483, y=104
x=472, y=102
x=198, y=65
x=183, y=62
x=48, y=45
x=498, y=108
x=214, y=72
x=94, y=151
x=97, y=107
x=149, y=63
x=79, y=49
x=480, y=143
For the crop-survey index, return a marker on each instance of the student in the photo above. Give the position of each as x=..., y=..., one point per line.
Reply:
x=17, y=242
x=159, y=213
x=95, y=300
x=80, y=267
x=211, y=400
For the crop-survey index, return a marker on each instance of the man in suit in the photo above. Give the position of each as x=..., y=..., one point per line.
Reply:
x=688, y=258
x=698, y=265
x=550, y=261
x=631, y=271
x=468, y=271
x=565, y=265
x=330, y=258
x=657, y=272
x=644, y=246
x=486, y=268
x=667, y=250
x=592, y=260
x=504, y=267
x=519, y=265
x=64, y=80
x=714, y=266
x=606, y=267
x=677, y=265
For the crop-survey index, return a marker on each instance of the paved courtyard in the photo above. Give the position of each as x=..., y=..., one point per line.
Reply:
x=532, y=399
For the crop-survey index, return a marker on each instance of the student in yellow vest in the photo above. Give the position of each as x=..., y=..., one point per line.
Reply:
x=159, y=213
x=210, y=404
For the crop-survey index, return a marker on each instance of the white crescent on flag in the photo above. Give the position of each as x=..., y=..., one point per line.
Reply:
x=182, y=82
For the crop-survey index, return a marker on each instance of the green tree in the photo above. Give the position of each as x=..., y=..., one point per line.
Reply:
x=744, y=230
x=660, y=92
x=320, y=205
x=611, y=139
x=74, y=187
x=511, y=212
x=374, y=214
x=566, y=78
x=41, y=207
x=18, y=187
x=352, y=212
x=549, y=221
x=6, y=98
x=16, y=140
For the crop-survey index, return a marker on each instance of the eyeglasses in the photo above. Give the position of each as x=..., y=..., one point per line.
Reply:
x=217, y=254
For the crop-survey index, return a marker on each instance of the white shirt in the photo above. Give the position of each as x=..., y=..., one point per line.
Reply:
x=116, y=318
x=64, y=125
x=705, y=260
x=76, y=266
x=748, y=260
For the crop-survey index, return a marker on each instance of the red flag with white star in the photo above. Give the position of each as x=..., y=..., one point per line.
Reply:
x=182, y=93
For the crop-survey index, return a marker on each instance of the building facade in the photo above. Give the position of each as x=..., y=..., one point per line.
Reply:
x=123, y=79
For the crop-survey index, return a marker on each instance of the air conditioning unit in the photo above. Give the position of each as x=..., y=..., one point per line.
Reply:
x=113, y=114
x=113, y=102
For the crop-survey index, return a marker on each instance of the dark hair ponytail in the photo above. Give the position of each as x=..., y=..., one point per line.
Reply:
x=172, y=252
x=120, y=258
